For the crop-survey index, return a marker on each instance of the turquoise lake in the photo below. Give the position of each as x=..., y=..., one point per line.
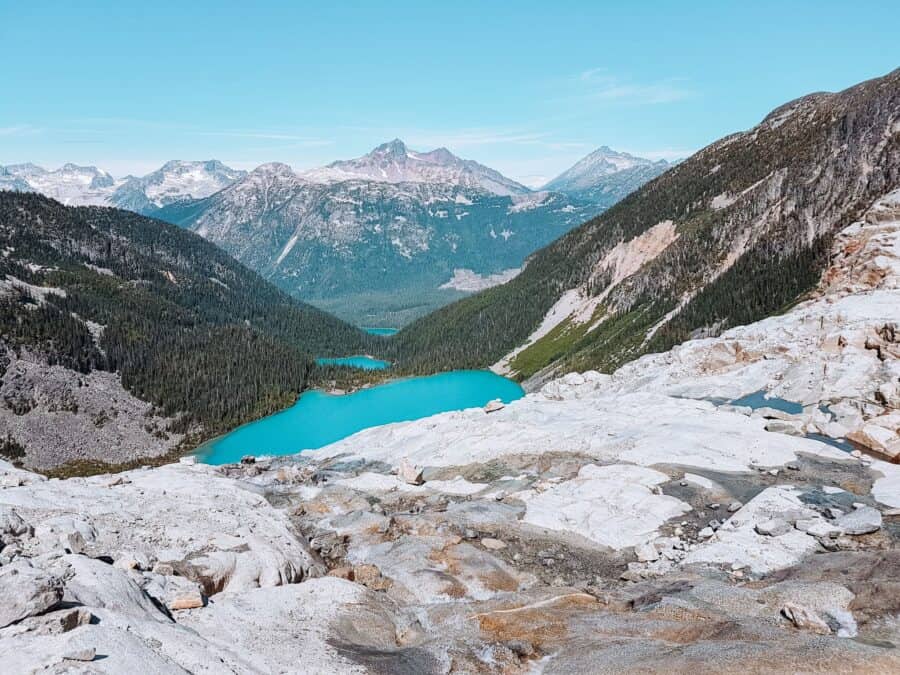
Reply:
x=364, y=362
x=317, y=418
x=381, y=331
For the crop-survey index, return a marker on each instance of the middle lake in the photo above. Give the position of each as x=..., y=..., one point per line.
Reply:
x=317, y=418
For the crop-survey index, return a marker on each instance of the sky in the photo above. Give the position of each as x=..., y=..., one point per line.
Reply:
x=525, y=87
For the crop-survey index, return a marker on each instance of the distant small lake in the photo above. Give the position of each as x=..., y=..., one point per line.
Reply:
x=317, y=418
x=364, y=362
x=381, y=331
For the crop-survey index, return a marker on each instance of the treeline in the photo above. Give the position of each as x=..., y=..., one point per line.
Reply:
x=188, y=328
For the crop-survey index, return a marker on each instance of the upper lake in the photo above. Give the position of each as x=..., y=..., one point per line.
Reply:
x=317, y=418
x=382, y=331
x=364, y=362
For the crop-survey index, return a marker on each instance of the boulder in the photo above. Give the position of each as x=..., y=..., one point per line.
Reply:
x=646, y=552
x=860, y=521
x=805, y=618
x=492, y=544
x=877, y=438
x=11, y=523
x=26, y=591
x=409, y=472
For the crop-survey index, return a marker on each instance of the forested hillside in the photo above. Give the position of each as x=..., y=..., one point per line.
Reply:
x=188, y=328
x=732, y=234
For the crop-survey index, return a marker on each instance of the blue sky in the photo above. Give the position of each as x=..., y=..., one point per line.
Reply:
x=525, y=87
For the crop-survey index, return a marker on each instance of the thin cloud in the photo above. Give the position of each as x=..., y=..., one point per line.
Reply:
x=600, y=85
x=19, y=130
x=299, y=140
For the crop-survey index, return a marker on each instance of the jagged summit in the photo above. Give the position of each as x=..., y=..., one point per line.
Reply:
x=395, y=162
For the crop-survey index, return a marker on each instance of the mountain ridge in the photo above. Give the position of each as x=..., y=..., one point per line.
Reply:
x=752, y=213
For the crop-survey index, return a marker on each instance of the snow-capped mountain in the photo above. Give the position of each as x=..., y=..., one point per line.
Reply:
x=590, y=170
x=393, y=162
x=70, y=184
x=606, y=176
x=75, y=185
x=174, y=181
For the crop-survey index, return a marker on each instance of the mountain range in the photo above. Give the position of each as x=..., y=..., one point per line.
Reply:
x=379, y=239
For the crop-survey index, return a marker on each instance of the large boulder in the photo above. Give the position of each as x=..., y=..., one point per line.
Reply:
x=26, y=591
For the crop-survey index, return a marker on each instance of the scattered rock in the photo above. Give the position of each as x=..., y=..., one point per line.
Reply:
x=86, y=654
x=187, y=600
x=784, y=427
x=774, y=527
x=860, y=521
x=805, y=619
x=706, y=533
x=494, y=406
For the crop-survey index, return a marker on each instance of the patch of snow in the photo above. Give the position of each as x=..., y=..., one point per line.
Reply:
x=470, y=281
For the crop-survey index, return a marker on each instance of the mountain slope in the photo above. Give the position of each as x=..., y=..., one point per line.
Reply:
x=730, y=235
x=374, y=251
x=180, y=323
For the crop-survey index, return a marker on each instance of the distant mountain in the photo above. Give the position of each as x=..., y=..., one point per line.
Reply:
x=393, y=162
x=147, y=316
x=606, y=176
x=75, y=185
x=379, y=251
x=175, y=181
x=734, y=233
x=70, y=184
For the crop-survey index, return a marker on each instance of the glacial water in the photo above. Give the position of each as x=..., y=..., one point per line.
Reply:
x=384, y=332
x=364, y=362
x=317, y=418
x=758, y=400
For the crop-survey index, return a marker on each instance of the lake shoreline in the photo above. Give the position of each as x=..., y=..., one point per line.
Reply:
x=321, y=416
